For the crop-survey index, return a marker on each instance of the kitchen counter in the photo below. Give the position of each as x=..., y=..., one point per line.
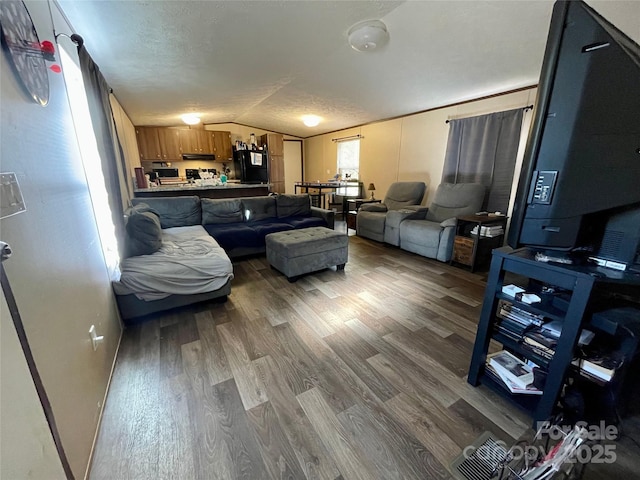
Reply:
x=230, y=190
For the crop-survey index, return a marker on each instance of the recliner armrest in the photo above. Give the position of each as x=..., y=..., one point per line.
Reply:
x=449, y=222
x=373, y=207
x=418, y=212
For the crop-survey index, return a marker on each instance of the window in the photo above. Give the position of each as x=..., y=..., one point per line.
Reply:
x=349, y=159
x=91, y=161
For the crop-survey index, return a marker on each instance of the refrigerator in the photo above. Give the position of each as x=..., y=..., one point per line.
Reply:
x=252, y=166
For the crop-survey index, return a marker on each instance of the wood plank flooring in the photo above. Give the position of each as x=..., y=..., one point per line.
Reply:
x=354, y=374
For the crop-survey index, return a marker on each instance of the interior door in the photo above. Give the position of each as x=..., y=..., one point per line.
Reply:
x=292, y=164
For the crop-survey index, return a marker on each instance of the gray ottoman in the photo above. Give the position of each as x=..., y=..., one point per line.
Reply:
x=296, y=252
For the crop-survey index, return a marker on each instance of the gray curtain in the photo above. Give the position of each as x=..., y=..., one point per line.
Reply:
x=113, y=164
x=483, y=150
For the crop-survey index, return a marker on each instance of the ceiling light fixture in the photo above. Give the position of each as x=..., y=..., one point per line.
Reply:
x=190, y=118
x=368, y=35
x=311, y=120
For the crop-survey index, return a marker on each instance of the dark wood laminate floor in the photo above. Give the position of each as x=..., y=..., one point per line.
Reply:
x=354, y=374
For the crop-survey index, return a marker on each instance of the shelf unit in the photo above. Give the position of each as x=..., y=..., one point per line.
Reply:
x=472, y=250
x=580, y=281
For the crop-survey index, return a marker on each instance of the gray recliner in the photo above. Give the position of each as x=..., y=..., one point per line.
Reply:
x=381, y=221
x=433, y=235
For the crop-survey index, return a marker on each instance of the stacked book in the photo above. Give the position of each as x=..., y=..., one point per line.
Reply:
x=488, y=231
x=511, y=372
x=514, y=322
x=540, y=342
x=600, y=361
x=507, y=310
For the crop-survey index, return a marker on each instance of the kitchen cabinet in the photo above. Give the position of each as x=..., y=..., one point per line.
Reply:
x=169, y=144
x=158, y=144
x=222, y=146
x=276, y=173
x=275, y=147
x=196, y=141
x=148, y=143
x=274, y=143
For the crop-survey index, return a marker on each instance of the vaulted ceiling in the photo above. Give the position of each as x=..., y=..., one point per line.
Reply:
x=268, y=63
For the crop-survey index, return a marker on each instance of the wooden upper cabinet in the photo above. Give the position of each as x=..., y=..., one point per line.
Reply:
x=275, y=143
x=196, y=141
x=188, y=141
x=158, y=144
x=169, y=144
x=148, y=143
x=222, y=146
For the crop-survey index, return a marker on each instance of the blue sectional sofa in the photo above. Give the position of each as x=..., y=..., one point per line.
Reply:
x=240, y=225
x=171, y=259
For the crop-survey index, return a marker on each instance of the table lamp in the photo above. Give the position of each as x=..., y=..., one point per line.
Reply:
x=372, y=188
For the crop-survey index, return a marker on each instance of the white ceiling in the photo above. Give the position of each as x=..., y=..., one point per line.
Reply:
x=267, y=63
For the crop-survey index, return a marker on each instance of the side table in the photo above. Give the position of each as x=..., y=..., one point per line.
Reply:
x=476, y=236
x=353, y=205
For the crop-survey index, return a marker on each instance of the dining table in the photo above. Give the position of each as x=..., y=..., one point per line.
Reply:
x=318, y=187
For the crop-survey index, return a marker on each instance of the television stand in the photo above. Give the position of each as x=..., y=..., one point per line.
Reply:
x=580, y=282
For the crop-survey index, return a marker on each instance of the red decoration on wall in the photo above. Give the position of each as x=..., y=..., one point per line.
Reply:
x=55, y=68
x=48, y=50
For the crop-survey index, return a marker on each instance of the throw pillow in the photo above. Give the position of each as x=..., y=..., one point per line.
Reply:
x=144, y=234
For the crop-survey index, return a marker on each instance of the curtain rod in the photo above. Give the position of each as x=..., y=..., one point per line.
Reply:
x=346, y=138
x=528, y=107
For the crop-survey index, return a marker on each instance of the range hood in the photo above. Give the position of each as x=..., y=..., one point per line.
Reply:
x=198, y=156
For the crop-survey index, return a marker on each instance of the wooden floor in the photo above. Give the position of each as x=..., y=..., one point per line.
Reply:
x=354, y=374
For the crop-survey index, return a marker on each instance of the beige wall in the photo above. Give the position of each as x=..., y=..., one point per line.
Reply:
x=57, y=270
x=26, y=445
x=410, y=148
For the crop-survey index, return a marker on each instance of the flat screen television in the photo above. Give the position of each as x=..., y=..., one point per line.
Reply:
x=579, y=187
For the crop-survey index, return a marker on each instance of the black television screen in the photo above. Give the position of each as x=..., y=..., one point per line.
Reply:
x=581, y=165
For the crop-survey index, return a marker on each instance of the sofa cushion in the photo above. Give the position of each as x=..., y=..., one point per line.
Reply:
x=304, y=222
x=267, y=226
x=258, y=208
x=144, y=233
x=224, y=210
x=293, y=205
x=234, y=235
x=420, y=232
x=174, y=211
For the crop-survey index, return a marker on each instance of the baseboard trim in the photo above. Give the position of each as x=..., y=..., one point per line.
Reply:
x=104, y=402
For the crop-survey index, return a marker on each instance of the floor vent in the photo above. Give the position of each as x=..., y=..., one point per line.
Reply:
x=481, y=461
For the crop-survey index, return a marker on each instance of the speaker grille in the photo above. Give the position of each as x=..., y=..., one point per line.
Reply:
x=611, y=243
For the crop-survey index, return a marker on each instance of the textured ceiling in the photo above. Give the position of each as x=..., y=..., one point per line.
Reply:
x=267, y=63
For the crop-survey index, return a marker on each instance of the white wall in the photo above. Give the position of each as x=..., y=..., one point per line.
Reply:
x=57, y=270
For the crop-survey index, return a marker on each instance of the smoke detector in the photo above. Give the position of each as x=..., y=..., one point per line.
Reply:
x=368, y=35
